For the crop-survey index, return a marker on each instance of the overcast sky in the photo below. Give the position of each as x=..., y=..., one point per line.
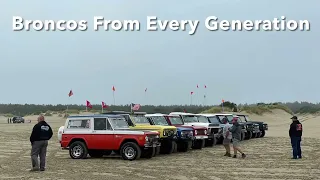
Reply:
x=41, y=67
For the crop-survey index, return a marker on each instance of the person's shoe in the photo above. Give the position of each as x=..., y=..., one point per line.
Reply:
x=243, y=155
x=294, y=158
x=234, y=156
x=299, y=157
x=42, y=169
x=229, y=155
x=226, y=154
x=34, y=169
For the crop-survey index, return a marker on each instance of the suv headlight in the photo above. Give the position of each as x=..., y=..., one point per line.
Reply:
x=164, y=132
x=205, y=132
x=146, y=138
x=195, y=132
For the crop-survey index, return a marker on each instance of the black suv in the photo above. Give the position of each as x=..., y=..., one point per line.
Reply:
x=253, y=130
x=17, y=119
x=262, y=126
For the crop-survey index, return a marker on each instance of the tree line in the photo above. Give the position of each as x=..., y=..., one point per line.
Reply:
x=26, y=109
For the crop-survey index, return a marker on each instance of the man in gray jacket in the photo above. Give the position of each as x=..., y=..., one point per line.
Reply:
x=236, y=137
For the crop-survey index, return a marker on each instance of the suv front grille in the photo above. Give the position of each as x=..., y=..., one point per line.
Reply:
x=200, y=132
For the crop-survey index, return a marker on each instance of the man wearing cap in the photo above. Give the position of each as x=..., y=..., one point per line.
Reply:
x=227, y=136
x=40, y=135
x=236, y=137
x=295, y=133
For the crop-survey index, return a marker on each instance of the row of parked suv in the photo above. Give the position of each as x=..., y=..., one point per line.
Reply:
x=135, y=135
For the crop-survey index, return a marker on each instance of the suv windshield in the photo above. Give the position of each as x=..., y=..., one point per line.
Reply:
x=119, y=123
x=242, y=118
x=246, y=118
x=190, y=118
x=214, y=119
x=140, y=120
x=159, y=120
x=203, y=119
x=230, y=117
x=176, y=120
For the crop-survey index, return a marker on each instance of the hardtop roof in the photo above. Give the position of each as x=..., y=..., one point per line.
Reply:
x=96, y=116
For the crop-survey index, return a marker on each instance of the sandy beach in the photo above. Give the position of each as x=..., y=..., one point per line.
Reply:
x=267, y=158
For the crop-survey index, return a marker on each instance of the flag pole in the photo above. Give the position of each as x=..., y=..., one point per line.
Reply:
x=222, y=105
x=114, y=99
x=101, y=109
x=191, y=100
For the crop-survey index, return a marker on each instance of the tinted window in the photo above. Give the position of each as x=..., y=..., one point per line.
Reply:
x=79, y=123
x=100, y=124
x=214, y=119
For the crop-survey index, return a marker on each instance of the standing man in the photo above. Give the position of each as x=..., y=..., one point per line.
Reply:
x=40, y=135
x=227, y=136
x=236, y=137
x=295, y=133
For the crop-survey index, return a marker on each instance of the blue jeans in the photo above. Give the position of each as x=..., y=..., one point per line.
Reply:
x=296, y=147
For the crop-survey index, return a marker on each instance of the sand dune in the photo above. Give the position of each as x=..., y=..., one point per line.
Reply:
x=268, y=158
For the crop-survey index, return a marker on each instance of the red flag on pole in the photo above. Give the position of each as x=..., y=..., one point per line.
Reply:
x=70, y=93
x=145, y=90
x=89, y=105
x=191, y=92
x=197, y=86
x=104, y=105
x=205, y=86
x=113, y=88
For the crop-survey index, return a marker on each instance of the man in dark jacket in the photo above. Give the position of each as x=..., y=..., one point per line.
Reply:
x=295, y=133
x=40, y=135
x=236, y=137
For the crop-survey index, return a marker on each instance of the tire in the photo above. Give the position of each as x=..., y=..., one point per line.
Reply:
x=167, y=147
x=263, y=133
x=130, y=151
x=243, y=135
x=157, y=150
x=211, y=143
x=149, y=153
x=96, y=153
x=78, y=150
x=185, y=146
x=248, y=135
x=198, y=144
x=175, y=147
x=258, y=135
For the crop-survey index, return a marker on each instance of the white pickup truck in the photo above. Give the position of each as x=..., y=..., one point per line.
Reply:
x=190, y=119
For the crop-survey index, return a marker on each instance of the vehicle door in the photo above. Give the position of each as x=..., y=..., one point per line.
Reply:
x=102, y=134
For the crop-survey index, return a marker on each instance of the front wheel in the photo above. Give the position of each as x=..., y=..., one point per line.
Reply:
x=167, y=147
x=263, y=133
x=78, y=150
x=130, y=151
x=243, y=135
x=248, y=135
x=185, y=146
x=149, y=153
x=211, y=142
x=199, y=144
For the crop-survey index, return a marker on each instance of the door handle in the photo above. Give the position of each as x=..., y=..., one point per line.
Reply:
x=94, y=131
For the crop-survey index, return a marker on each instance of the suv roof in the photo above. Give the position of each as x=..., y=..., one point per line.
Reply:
x=96, y=115
x=181, y=113
x=155, y=114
